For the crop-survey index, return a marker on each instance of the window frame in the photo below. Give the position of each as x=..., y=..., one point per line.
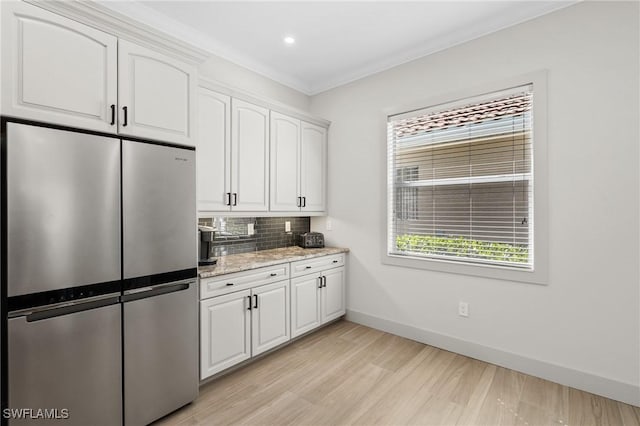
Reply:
x=539, y=273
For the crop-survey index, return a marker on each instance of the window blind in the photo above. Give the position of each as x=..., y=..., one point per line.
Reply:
x=460, y=182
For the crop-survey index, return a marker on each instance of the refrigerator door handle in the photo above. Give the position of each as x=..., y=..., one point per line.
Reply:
x=58, y=310
x=139, y=290
x=155, y=291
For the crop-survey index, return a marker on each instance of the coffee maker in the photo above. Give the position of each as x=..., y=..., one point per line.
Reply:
x=205, y=243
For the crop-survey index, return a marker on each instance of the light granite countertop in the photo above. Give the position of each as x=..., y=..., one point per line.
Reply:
x=258, y=259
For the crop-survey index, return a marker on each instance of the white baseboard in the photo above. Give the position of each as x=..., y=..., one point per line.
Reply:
x=620, y=391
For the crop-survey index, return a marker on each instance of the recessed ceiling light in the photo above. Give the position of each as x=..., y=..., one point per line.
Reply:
x=289, y=40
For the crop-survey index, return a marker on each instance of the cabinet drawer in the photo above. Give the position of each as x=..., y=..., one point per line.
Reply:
x=229, y=283
x=310, y=266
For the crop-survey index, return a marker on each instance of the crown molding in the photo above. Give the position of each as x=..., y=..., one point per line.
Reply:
x=280, y=107
x=107, y=20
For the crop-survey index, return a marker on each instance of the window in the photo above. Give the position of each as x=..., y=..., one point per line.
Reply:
x=461, y=183
x=406, y=196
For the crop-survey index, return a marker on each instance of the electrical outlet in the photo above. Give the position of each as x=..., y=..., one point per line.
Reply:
x=287, y=226
x=328, y=224
x=463, y=309
x=250, y=229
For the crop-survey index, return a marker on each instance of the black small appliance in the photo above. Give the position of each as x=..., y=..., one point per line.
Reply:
x=311, y=240
x=205, y=243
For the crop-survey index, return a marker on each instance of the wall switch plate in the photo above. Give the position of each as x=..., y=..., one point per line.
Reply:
x=287, y=226
x=250, y=229
x=328, y=224
x=463, y=309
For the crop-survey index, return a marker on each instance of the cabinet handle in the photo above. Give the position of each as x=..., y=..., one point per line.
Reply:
x=299, y=204
x=228, y=202
x=324, y=281
x=113, y=114
x=235, y=198
x=335, y=261
x=304, y=201
x=307, y=267
x=249, y=308
x=320, y=285
x=255, y=306
x=229, y=284
x=273, y=274
x=125, y=116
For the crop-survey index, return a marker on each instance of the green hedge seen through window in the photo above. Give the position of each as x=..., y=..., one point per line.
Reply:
x=462, y=247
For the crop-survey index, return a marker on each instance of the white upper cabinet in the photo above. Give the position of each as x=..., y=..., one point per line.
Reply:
x=232, y=154
x=313, y=168
x=57, y=70
x=156, y=93
x=213, y=151
x=249, y=157
x=298, y=165
x=285, y=163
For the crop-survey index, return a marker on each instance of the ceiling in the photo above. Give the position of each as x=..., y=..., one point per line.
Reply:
x=336, y=42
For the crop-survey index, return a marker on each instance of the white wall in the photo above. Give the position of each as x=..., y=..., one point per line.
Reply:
x=241, y=78
x=583, y=329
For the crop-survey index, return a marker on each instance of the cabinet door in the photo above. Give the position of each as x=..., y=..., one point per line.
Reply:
x=213, y=151
x=333, y=294
x=313, y=167
x=305, y=304
x=285, y=163
x=225, y=332
x=270, y=316
x=57, y=70
x=249, y=156
x=158, y=93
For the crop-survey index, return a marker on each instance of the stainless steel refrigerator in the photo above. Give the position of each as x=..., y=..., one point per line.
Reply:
x=99, y=295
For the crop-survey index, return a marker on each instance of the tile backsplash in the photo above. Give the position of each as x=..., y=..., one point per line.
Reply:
x=232, y=235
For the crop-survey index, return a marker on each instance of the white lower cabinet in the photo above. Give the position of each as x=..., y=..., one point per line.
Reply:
x=305, y=304
x=332, y=304
x=316, y=299
x=225, y=332
x=236, y=326
x=244, y=314
x=269, y=317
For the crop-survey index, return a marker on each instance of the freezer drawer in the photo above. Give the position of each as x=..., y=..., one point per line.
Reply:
x=160, y=351
x=159, y=209
x=71, y=361
x=63, y=209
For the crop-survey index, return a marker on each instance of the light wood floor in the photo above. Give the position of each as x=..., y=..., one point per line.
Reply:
x=351, y=374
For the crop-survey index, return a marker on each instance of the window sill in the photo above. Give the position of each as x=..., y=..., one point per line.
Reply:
x=531, y=276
